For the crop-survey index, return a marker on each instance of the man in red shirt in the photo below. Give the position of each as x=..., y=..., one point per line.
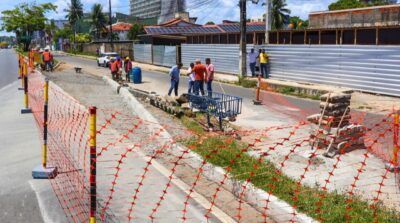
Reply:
x=200, y=72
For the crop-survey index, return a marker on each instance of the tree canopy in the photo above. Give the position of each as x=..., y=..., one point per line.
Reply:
x=98, y=20
x=136, y=30
x=296, y=22
x=350, y=4
x=24, y=19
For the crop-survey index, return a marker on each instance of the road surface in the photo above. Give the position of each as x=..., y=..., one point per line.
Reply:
x=22, y=199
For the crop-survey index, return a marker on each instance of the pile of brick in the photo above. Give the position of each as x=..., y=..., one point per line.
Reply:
x=335, y=133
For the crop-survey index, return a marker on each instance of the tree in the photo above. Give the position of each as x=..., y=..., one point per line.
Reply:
x=210, y=23
x=296, y=22
x=24, y=19
x=98, y=20
x=83, y=38
x=49, y=29
x=351, y=4
x=65, y=33
x=136, y=30
x=75, y=13
x=279, y=14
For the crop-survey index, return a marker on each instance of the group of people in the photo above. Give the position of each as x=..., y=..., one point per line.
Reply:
x=260, y=59
x=117, y=66
x=198, y=73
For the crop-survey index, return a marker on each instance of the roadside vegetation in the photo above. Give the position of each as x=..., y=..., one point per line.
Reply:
x=230, y=154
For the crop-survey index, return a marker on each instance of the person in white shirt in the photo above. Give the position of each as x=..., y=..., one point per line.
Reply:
x=190, y=73
x=253, y=61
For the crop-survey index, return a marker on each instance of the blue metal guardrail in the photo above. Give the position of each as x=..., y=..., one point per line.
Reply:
x=217, y=104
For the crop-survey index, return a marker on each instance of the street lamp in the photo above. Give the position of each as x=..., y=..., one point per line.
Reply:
x=243, y=37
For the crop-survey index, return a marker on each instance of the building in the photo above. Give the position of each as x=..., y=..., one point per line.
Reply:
x=163, y=10
x=178, y=31
x=376, y=16
x=121, y=29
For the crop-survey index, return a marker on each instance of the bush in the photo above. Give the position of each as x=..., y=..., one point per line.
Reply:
x=246, y=83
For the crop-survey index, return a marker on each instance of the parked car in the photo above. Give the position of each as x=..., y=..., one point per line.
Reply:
x=104, y=59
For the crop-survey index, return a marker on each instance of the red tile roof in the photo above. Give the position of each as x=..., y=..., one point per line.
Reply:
x=121, y=26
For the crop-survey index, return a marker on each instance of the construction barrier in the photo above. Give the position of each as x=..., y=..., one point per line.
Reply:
x=115, y=166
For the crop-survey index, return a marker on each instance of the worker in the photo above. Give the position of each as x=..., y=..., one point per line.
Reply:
x=200, y=73
x=114, y=68
x=263, y=64
x=119, y=62
x=127, y=68
x=47, y=57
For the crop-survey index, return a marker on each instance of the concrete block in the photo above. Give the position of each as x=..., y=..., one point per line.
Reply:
x=39, y=172
x=26, y=111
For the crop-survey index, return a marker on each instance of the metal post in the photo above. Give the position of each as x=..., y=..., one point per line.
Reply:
x=111, y=30
x=243, y=41
x=93, y=158
x=267, y=20
x=45, y=122
x=26, y=108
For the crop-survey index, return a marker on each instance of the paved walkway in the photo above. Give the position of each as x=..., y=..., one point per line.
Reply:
x=22, y=199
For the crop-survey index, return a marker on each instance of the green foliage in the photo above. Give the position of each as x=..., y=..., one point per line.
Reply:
x=136, y=30
x=296, y=23
x=74, y=14
x=24, y=19
x=83, y=38
x=350, y=4
x=65, y=33
x=210, y=23
x=99, y=20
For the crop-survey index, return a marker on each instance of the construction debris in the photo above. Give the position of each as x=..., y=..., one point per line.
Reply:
x=335, y=133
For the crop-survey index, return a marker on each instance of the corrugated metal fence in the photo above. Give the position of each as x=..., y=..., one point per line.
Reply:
x=142, y=53
x=367, y=68
x=164, y=55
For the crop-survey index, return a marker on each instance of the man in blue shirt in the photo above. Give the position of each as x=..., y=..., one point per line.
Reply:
x=174, y=74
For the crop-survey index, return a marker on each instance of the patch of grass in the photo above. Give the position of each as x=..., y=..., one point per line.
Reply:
x=226, y=152
x=292, y=91
x=82, y=53
x=246, y=83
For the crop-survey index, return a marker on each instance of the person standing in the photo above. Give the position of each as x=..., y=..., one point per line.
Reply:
x=174, y=74
x=47, y=59
x=210, y=75
x=114, y=68
x=263, y=63
x=127, y=68
x=119, y=64
x=252, y=61
x=191, y=75
x=200, y=72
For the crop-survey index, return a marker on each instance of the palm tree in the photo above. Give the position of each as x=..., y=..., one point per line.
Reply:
x=75, y=13
x=98, y=19
x=280, y=15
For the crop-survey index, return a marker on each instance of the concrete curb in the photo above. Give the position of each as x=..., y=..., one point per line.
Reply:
x=278, y=210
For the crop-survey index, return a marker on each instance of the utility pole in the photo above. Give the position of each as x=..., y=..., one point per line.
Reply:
x=268, y=6
x=243, y=41
x=111, y=30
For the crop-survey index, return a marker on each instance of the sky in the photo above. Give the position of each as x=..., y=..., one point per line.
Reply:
x=216, y=11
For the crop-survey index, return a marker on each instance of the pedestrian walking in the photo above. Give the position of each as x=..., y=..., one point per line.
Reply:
x=119, y=64
x=174, y=74
x=200, y=72
x=210, y=75
x=264, y=63
x=252, y=61
x=191, y=75
x=127, y=68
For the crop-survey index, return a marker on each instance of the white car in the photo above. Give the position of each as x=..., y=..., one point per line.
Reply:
x=105, y=58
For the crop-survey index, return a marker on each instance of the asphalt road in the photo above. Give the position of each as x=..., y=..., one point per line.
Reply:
x=274, y=102
x=22, y=199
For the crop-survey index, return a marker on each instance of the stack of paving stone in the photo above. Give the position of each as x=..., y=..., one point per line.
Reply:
x=335, y=133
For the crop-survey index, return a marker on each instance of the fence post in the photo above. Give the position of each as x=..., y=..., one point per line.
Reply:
x=26, y=108
x=45, y=122
x=93, y=158
x=257, y=101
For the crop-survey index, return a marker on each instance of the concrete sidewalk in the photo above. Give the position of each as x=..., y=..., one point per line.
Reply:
x=22, y=199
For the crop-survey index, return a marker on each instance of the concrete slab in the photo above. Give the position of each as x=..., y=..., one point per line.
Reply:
x=40, y=172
